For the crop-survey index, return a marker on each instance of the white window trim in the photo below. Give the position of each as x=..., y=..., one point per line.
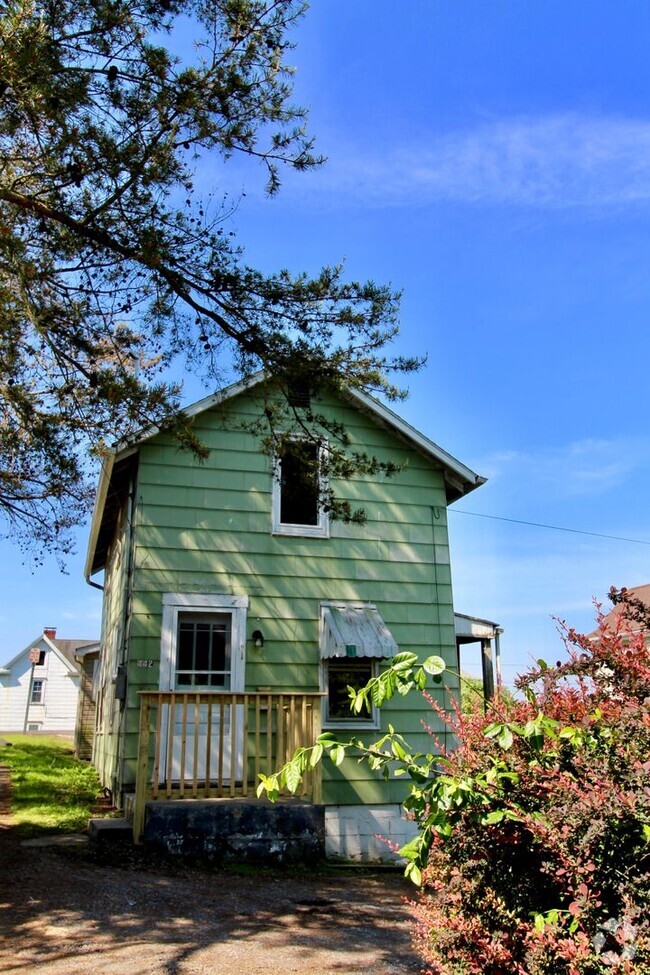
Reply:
x=372, y=723
x=41, y=700
x=179, y=602
x=320, y=530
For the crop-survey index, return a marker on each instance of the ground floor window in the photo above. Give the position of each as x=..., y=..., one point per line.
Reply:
x=354, y=640
x=339, y=674
x=38, y=690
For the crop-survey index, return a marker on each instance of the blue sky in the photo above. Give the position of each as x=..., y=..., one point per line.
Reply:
x=492, y=159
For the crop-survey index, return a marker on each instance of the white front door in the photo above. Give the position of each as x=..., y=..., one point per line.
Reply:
x=203, y=650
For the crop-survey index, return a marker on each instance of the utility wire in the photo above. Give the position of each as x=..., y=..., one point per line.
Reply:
x=556, y=528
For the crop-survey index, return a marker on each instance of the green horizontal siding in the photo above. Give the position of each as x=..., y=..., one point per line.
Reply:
x=206, y=528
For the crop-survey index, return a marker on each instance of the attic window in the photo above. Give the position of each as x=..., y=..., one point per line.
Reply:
x=299, y=395
x=297, y=490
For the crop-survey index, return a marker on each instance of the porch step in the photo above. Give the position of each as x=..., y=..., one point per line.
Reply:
x=111, y=831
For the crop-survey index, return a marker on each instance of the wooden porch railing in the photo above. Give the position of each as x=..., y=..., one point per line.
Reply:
x=195, y=745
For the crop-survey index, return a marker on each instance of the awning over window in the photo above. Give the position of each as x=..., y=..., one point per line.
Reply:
x=355, y=631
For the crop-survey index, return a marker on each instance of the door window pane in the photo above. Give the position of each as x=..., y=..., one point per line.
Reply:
x=203, y=650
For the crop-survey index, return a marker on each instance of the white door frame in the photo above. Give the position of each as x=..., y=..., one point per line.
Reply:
x=181, y=602
x=175, y=603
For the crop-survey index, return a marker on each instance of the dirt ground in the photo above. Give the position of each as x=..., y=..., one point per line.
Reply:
x=64, y=913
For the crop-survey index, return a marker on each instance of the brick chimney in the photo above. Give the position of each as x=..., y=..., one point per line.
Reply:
x=50, y=632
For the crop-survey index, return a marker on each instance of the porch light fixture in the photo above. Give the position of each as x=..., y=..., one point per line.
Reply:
x=258, y=639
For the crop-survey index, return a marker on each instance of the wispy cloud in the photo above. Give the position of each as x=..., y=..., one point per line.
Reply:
x=555, y=162
x=582, y=468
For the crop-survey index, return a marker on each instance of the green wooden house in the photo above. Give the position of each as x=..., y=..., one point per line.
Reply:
x=236, y=613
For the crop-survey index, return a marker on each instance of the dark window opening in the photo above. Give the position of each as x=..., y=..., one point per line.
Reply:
x=341, y=674
x=299, y=485
x=299, y=395
x=203, y=651
x=41, y=658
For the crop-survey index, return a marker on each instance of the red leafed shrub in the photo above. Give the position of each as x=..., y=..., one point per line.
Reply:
x=538, y=825
x=534, y=833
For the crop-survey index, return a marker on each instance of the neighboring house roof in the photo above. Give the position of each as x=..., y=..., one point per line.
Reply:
x=71, y=649
x=610, y=620
x=65, y=649
x=115, y=469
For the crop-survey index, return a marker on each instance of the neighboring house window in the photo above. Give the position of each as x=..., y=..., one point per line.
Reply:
x=38, y=689
x=341, y=673
x=41, y=658
x=297, y=492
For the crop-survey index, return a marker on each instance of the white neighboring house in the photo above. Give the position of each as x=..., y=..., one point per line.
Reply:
x=39, y=688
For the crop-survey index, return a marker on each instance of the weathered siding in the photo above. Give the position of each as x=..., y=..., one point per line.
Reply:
x=109, y=716
x=206, y=527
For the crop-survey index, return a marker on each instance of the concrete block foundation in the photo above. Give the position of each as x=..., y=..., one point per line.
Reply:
x=241, y=831
x=366, y=833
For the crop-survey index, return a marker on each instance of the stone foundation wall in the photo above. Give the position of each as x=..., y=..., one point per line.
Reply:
x=237, y=831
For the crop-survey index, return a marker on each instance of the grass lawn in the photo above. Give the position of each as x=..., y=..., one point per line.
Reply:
x=51, y=790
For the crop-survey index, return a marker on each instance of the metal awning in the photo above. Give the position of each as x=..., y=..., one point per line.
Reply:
x=353, y=630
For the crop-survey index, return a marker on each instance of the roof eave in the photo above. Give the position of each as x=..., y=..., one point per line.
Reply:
x=458, y=476
x=107, y=465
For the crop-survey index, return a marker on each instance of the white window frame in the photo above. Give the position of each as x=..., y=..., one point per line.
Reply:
x=322, y=528
x=371, y=723
x=179, y=602
x=41, y=700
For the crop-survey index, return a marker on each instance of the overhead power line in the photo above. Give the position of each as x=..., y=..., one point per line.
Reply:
x=555, y=528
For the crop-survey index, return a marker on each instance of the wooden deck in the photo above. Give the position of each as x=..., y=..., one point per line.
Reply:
x=209, y=744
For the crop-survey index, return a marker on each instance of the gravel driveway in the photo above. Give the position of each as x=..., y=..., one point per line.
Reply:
x=61, y=913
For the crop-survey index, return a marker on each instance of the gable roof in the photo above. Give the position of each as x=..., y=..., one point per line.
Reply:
x=610, y=620
x=64, y=649
x=116, y=465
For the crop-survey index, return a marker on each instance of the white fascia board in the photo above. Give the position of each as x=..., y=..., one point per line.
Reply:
x=475, y=627
x=425, y=445
x=108, y=462
x=124, y=447
x=14, y=660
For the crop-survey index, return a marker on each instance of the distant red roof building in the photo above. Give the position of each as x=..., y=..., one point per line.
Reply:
x=640, y=593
